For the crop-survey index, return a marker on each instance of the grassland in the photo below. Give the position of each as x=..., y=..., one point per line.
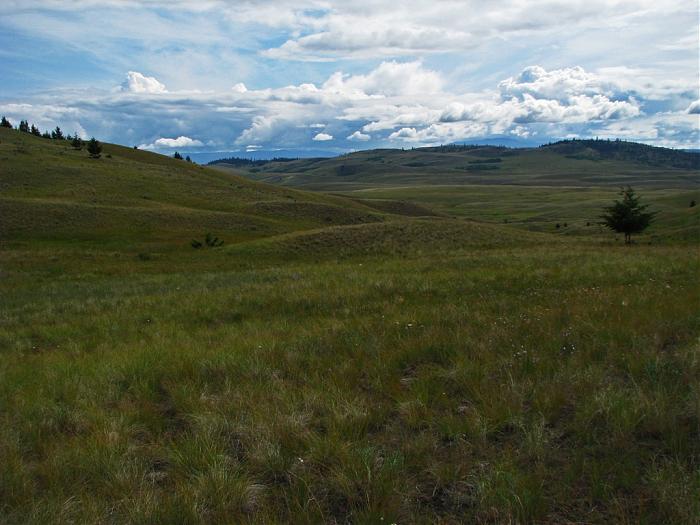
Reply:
x=577, y=164
x=542, y=208
x=389, y=365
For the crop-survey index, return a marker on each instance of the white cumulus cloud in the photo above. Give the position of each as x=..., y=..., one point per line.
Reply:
x=388, y=79
x=138, y=83
x=322, y=137
x=166, y=143
x=359, y=136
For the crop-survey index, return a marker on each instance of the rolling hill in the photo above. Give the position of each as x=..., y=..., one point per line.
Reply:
x=52, y=192
x=567, y=163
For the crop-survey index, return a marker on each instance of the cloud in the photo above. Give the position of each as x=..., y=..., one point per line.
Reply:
x=165, y=143
x=137, y=83
x=694, y=108
x=375, y=29
x=405, y=133
x=558, y=84
x=239, y=88
x=359, y=136
x=568, y=95
x=441, y=133
x=392, y=102
x=388, y=79
x=262, y=129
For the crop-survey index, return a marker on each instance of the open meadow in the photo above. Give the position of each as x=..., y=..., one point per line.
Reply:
x=415, y=359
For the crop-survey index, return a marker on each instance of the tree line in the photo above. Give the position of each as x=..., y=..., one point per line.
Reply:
x=94, y=148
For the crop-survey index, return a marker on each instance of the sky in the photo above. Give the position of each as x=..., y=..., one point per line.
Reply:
x=310, y=77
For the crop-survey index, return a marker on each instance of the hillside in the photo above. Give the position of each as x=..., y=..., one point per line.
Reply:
x=567, y=163
x=52, y=192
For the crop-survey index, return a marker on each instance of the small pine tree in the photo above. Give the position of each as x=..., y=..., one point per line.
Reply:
x=76, y=142
x=35, y=131
x=57, y=134
x=46, y=135
x=4, y=123
x=177, y=156
x=24, y=126
x=188, y=159
x=627, y=215
x=94, y=148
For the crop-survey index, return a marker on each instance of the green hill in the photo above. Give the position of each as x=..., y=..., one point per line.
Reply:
x=567, y=163
x=558, y=188
x=53, y=192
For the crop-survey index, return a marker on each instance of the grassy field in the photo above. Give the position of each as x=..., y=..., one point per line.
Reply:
x=542, y=208
x=344, y=361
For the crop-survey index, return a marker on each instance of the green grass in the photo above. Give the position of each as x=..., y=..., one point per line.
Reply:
x=385, y=366
x=542, y=208
x=559, y=386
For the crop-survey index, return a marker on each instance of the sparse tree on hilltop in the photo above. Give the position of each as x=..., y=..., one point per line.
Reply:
x=94, y=148
x=24, y=126
x=177, y=156
x=46, y=135
x=627, y=215
x=76, y=142
x=4, y=123
x=57, y=134
x=188, y=159
x=35, y=131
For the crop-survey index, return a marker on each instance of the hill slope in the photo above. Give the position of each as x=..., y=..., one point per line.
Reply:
x=50, y=191
x=567, y=163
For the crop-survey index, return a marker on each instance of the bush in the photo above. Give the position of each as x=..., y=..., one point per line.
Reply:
x=94, y=148
x=210, y=241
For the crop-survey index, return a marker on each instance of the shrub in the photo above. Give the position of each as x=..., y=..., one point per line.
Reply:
x=94, y=148
x=210, y=241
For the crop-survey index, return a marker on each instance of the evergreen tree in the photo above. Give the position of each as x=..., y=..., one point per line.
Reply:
x=24, y=126
x=177, y=156
x=94, y=148
x=188, y=159
x=627, y=215
x=35, y=131
x=57, y=134
x=46, y=135
x=4, y=123
x=76, y=142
